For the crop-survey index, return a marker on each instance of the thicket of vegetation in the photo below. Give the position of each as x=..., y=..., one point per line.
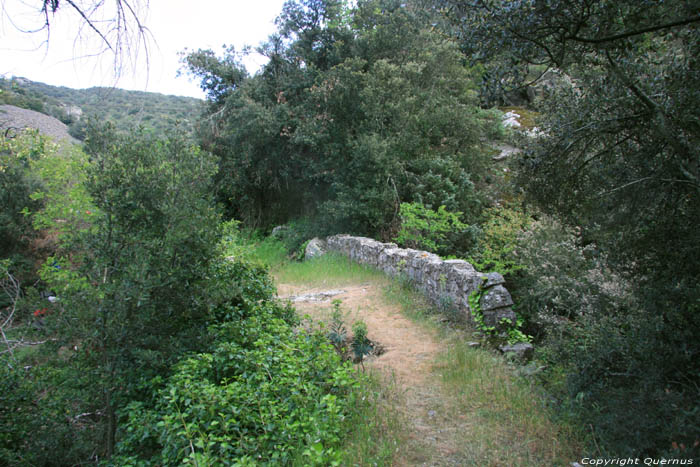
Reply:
x=368, y=119
x=619, y=164
x=125, y=109
x=150, y=323
x=357, y=111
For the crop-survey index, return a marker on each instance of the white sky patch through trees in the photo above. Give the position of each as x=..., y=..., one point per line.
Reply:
x=70, y=57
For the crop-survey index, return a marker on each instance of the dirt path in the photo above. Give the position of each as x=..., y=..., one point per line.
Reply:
x=409, y=357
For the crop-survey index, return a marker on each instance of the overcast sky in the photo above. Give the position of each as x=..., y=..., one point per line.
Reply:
x=173, y=24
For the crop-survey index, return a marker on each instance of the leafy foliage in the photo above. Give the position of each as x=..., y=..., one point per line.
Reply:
x=438, y=231
x=619, y=158
x=337, y=334
x=160, y=349
x=358, y=110
x=129, y=278
x=506, y=330
x=497, y=243
x=561, y=279
x=17, y=183
x=264, y=394
x=361, y=344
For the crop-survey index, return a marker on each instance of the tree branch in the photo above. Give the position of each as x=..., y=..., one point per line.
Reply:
x=90, y=24
x=627, y=34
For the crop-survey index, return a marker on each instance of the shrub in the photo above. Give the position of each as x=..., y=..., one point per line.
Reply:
x=497, y=242
x=266, y=393
x=623, y=381
x=440, y=231
x=137, y=235
x=16, y=187
x=297, y=233
x=361, y=344
x=46, y=416
x=560, y=279
x=627, y=367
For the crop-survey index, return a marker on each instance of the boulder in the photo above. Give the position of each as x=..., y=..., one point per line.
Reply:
x=511, y=120
x=496, y=317
x=315, y=248
x=493, y=278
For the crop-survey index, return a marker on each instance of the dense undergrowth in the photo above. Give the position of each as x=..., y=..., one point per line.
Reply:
x=158, y=346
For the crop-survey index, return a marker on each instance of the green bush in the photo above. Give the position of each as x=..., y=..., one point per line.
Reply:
x=265, y=394
x=297, y=233
x=617, y=362
x=137, y=233
x=622, y=379
x=440, y=231
x=497, y=242
x=559, y=279
x=17, y=183
x=361, y=344
x=384, y=110
x=39, y=420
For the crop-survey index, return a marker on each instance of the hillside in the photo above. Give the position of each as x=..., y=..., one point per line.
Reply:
x=124, y=108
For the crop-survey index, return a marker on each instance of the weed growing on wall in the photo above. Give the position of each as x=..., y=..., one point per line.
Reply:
x=506, y=330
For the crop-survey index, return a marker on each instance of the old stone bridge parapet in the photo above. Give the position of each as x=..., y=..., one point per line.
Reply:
x=436, y=277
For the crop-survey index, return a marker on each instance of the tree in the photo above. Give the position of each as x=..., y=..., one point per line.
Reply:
x=518, y=41
x=622, y=137
x=358, y=110
x=619, y=158
x=131, y=284
x=16, y=187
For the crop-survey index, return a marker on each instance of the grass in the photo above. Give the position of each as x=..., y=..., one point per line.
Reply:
x=504, y=414
x=377, y=428
x=270, y=252
x=510, y=424
x=329, y=270
x=500, y=415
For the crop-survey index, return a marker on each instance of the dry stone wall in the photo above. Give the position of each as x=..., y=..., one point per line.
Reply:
x=436, y=277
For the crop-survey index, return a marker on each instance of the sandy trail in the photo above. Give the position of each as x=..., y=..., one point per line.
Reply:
x=409, y=357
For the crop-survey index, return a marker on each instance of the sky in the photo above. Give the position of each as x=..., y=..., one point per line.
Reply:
x=70, y=55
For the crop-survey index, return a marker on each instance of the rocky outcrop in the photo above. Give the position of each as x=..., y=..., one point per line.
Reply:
x=436, y=277
x=315, y=248
x=14, y=119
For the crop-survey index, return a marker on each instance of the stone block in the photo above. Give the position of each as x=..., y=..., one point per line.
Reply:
x=493, y=279
x=521, y=351
x=494, y=317
x=495, y=297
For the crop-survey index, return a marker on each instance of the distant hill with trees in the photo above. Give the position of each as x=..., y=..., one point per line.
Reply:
x=125, y=109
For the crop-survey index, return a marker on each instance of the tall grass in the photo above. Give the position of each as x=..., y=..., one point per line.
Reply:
x=508, y=421
x=329, y=270
x=269, y=251
x=377, y=428
x=505, y=419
